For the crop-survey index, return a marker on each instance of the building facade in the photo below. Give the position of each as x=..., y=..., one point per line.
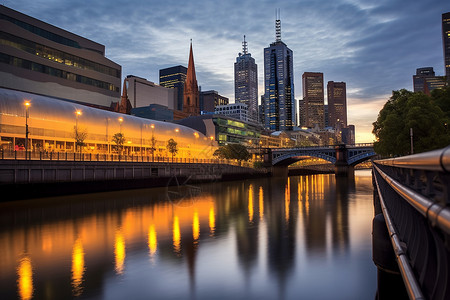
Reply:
x=237, y=111
x=40, y=58
x=426, y=81
x=174, y=77
x=313, y=100
x=446, y=43
x=142, y=92
x=280, y=112
x=246, y=82
x=191, y=104
x=209, y=100
x=337, y=104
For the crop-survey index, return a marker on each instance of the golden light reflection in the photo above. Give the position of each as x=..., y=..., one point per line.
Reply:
x=152, y=240
x=287, y=199
x=119, y=251
x=25, y=280
x=195, y=226
x=176, y=235
x=250, y=203
x=212, y=221
x=261, y=202
x=77, y=267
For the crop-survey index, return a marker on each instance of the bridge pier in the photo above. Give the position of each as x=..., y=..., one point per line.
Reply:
x=280, y=171
x=343, y=169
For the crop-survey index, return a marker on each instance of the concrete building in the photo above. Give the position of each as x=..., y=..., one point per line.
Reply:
x=337, y=104
x=153, y=112
x=142, y=92
x=43, y=59
x=235, y=110
x=313, y=100
x=209, y=100
x=246, y=82
x=280, y=111
x=174, y=77
x=426, y=81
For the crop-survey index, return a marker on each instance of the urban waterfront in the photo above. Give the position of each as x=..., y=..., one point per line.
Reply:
x=302, y=237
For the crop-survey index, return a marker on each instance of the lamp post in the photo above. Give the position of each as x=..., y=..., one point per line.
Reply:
x=27, y=105
x=77, y=134
x=120, y=124
x=153, y=142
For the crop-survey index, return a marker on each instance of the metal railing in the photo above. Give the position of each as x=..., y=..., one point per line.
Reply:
x=414, y=198
x=114, y=157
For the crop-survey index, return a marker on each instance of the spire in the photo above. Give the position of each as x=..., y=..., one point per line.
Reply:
x=244, y=46
x=191, y=93
x=277, y=26
x=190, y=75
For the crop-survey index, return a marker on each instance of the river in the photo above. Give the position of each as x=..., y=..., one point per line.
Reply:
x=302, y=237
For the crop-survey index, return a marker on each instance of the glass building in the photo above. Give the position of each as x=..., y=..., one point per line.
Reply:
x=39, y=58
x=446, y=43
x=246, y=82
x=174, y=77
x=280, y=112
x=337, y=104
x=313, y=100
x=52, y=124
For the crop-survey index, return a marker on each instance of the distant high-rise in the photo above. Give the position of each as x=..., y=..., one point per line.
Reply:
x=337, y=104
x=425, y=80
x=174, y=77
x=279, y=85
x=313, y=100
x=191, y=105
x=246, y=82
x=446, y=42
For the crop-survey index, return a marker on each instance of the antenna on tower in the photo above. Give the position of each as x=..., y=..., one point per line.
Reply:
x=244, y=46
x=277, y=26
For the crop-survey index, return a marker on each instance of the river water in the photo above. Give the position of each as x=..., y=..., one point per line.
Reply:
x=302, y=237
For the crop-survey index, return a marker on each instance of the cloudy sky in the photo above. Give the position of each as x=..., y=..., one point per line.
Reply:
x=374, y=46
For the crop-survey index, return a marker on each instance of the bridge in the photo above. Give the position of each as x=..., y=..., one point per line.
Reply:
x=344, y=157
x=411, y=228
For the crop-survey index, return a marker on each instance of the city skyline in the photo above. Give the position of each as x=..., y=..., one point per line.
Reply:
x=374, y=48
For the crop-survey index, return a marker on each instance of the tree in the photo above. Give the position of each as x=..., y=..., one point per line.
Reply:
x=233, y=151
x=153, y=148
x=406, y=110
x=80, y=136
x=172, y=147
x=119, y=140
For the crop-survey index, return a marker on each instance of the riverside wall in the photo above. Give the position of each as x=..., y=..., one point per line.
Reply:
x=21, y=179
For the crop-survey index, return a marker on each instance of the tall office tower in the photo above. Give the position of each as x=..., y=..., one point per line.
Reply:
x=246, y=82
x=337, y=104
x=174, y=77
x=425, y=80
x=40, y=58
x=191, y=105
x=313, y=96
x=446, y=42
x=279, y=85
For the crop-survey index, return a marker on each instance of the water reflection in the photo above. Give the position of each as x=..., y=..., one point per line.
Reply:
x=264, y=237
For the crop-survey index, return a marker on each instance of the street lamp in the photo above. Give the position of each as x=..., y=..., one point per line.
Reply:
x=27, y=105
x=77, y=134
x=153, y=142
x=120, y=124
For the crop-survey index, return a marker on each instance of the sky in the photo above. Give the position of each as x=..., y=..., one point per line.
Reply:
x=373, y=46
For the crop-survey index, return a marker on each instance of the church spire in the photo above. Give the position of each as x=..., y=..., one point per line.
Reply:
x=191, y=94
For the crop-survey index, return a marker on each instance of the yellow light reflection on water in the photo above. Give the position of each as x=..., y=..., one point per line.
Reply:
x=287, y=199
x=119, y=251
x=195, y=226
x=152, y=240
x=261, y=202
x=176, y=235
x=77, y=267
x=250, y=203
x=25, y=280
x=212, y=221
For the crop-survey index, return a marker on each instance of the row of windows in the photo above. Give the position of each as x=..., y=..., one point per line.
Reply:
x=29, y=65
x=55, y=55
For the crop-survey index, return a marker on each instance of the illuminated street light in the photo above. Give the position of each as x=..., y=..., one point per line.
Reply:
x=27, y=105
x=120, y=124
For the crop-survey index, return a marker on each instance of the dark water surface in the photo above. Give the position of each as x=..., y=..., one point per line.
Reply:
x=304, y=237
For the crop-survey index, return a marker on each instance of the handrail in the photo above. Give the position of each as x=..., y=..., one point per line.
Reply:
x=437, y=160
x=411, y=284
x=437, y=214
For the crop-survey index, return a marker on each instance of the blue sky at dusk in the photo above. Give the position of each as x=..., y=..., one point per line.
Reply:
x=374, y=46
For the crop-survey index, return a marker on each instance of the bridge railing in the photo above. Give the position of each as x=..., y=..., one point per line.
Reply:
x=414, y=198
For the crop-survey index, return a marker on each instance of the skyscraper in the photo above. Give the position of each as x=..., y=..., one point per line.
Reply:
x=191, y=105
x=337, y=104
x=425, y=80
x=446, y=42
x=313, y=100
x=279, y=85
x=246, y=82
x=174, y=77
